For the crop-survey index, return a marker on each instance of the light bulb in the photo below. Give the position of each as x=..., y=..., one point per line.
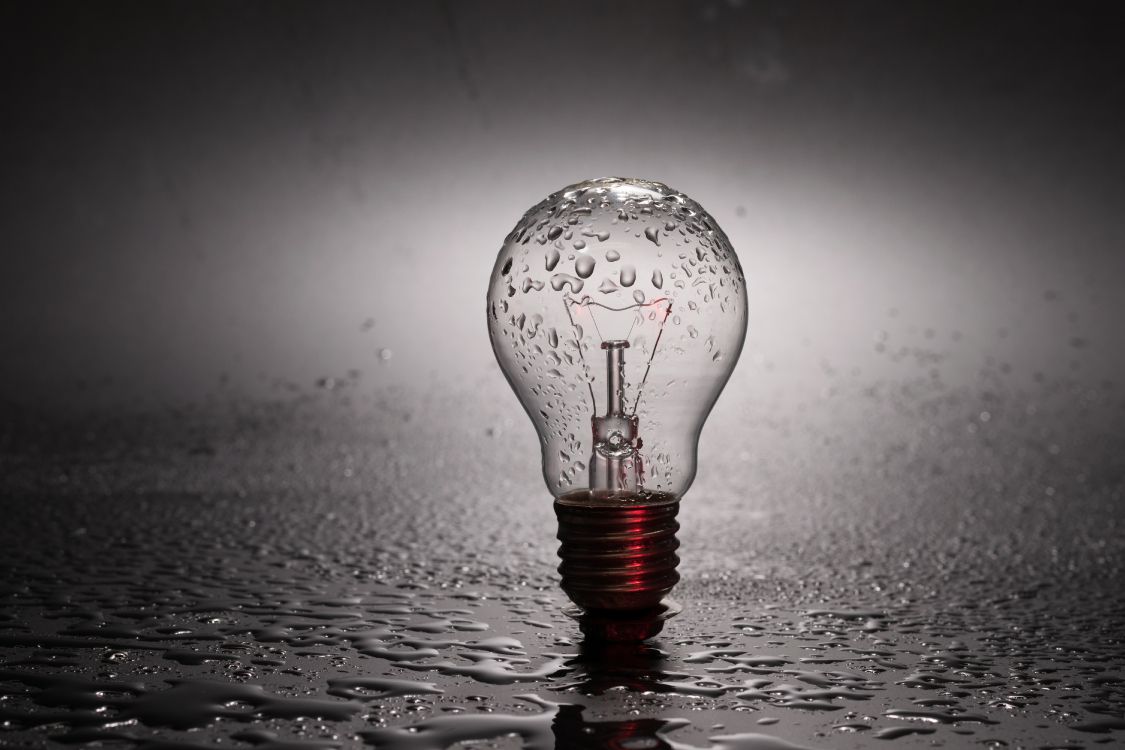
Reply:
x=617, y=310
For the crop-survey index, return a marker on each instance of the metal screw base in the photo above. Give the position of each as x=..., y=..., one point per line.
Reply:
x=618, y=563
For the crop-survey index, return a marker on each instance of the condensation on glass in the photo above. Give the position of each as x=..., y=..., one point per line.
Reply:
x=617, y=310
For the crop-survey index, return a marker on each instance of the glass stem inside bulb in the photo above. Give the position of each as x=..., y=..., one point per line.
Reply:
x=615, y=465
x=615, y=377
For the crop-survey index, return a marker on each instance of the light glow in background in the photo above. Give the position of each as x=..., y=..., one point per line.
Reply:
x=250, y=198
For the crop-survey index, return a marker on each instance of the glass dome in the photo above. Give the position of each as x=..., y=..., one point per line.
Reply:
x=617, y=310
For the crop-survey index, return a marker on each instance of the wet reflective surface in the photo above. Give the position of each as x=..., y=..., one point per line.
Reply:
x=909, y=564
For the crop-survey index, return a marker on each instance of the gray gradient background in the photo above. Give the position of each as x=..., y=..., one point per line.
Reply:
x=246, y=198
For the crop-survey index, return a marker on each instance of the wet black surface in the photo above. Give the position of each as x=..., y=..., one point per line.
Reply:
x=898, y=562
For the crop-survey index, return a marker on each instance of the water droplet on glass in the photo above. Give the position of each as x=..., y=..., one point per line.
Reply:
x=552, y=258
x=385, y=354
x=628, y=276
x=692, y=332
x=657, y=279
x=559, y=280
x=607, y=287
x=612, y=255
x=639, y=297
x=653, y=235
x=584, y=266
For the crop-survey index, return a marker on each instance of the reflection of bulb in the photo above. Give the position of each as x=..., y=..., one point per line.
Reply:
x=617, y=310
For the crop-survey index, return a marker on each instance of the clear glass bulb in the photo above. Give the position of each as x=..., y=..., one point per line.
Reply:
x=617, y=310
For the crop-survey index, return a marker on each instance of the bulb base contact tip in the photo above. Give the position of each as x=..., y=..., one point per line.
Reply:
x=619, y=561
x=601, y=626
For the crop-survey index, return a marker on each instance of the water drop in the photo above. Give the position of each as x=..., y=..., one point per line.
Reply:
x=628, y=276
x=657, y=279
x=612, y=255
x=552, y=258
x=607, y=287
x=584, y=266
x=553, y=337
x=385, y=354
x=692, y=332
x=653, y=235
x=639, y=297
x=559, y=280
